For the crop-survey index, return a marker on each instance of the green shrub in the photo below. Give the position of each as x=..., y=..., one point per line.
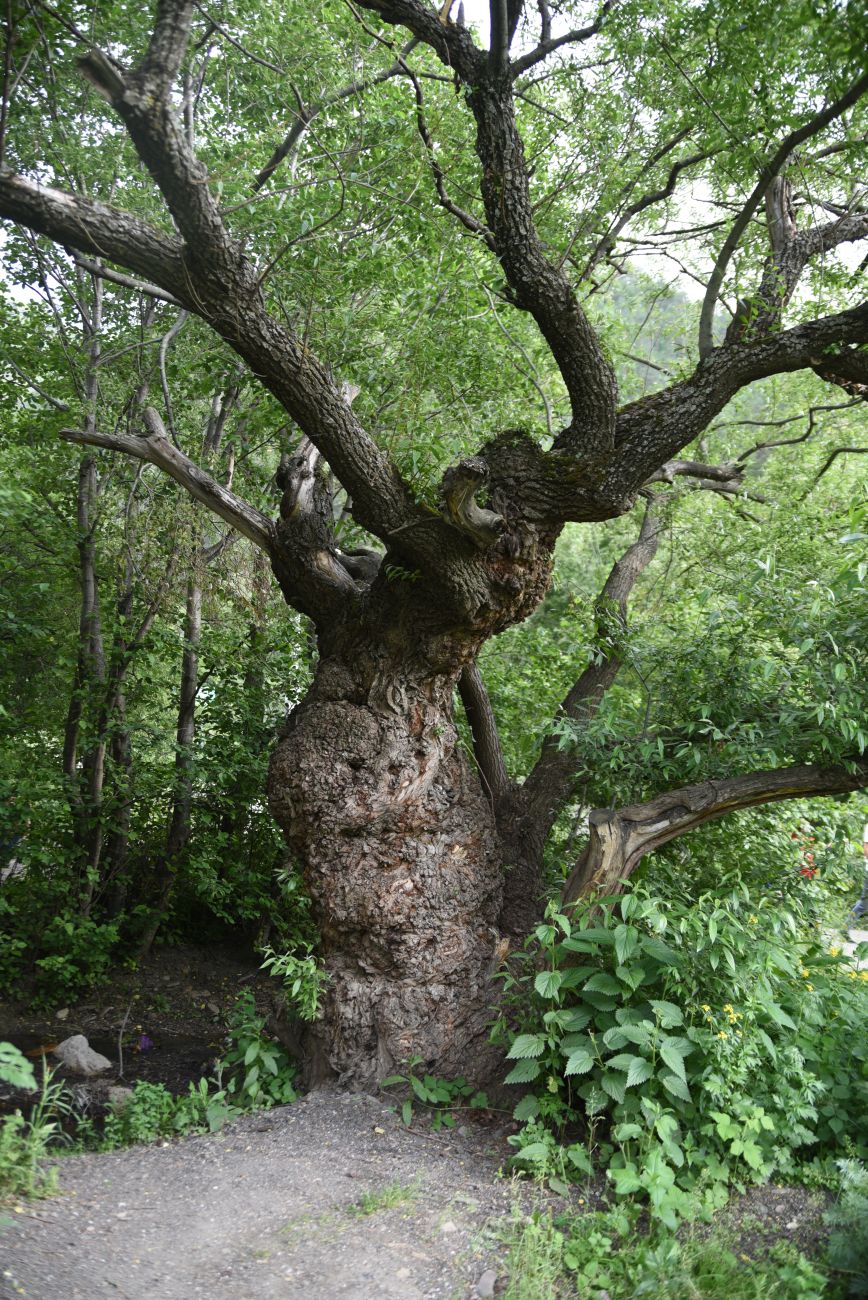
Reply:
x=603, y=1254
x=152, y=1113
x=78, y=954
x=255, y=1071
x=303, y=980
x=695, y=1042
x=24, y=1142
x=442, y=1098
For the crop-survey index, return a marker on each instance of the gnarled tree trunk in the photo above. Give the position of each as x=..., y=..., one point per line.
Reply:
x=401, y=857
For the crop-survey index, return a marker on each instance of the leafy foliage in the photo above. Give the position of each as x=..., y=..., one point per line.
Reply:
x=442, y=1099
x=698, y=1040
x=255, y=1071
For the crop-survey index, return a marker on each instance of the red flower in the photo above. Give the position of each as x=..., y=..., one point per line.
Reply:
x=810, y=872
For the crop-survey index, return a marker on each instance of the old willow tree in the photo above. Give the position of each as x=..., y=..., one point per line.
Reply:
x=276, y=173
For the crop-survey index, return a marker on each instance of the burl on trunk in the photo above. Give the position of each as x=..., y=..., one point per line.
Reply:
x=401, y=858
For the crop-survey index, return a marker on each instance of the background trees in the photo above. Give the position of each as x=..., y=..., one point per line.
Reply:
x=425, y=218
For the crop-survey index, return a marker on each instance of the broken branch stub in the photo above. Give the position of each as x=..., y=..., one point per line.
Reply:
x=460, y=485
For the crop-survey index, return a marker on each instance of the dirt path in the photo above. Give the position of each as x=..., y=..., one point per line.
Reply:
x=328, y=1198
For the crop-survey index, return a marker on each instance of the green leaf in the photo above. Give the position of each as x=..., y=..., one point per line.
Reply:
x=670, y=1056
x=614, y=1085
x=526, y=1045
x=407, y=1112
x=627, y=1132
x=778, y=1015
x=640, y=1035
x=523, y=1072
x=548, y=983
x=672, y=1083
x=659, y=951
x=639, y=1072
x=626, y=1181
x=602, y=984
x=527, y=1108
x=578, y=1156
x=580, y=1062
x=533, y=1152
x=579, y=1017
x=668, y=1014
x=626, y=940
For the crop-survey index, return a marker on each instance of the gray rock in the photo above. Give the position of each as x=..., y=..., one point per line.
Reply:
x=485, y=1285
x=118, y=1096
x=78, y=1056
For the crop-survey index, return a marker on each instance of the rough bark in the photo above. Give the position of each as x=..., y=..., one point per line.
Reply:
x=400, y=855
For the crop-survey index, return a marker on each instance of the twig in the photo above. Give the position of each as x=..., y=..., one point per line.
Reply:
x=121, y=1039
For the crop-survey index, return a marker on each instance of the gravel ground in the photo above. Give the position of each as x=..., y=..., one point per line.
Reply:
x=289, y=1203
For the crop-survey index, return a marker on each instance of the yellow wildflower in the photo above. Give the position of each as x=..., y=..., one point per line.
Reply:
x=852, y=974
x=751, y=920
x=834, y=952
x=728, y=1008
x=723, y=1034
x=705, y=1007
x=863, y=975
x=809, y=987
x=804, y=972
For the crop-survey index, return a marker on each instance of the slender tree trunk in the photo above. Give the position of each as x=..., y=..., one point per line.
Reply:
x=178, y=833
x=118, y=842
x=83, y=776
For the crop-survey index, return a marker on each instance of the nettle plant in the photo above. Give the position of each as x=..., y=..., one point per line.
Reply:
x=698, y=1042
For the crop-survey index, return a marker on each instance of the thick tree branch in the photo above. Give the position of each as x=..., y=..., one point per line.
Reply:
x=94, y=228
x=537, y=285
x=791, y=251
x=767, y=175
x=655, y=428
x=498, y=54
x=459, y=487
x=452, y=44
x=486, y=738
x=620, y=838
x=728, y=474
